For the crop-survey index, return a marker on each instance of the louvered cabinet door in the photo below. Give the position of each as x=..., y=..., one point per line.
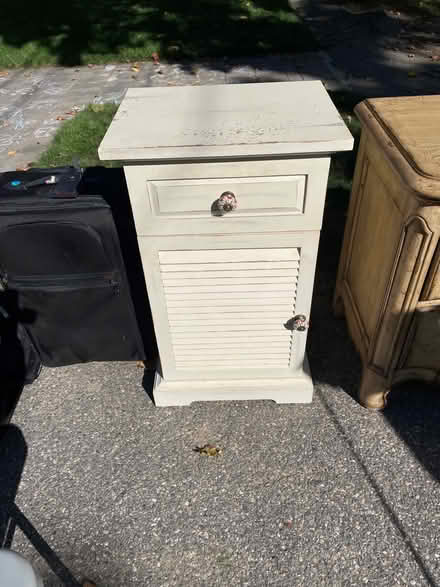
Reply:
x=227, y=313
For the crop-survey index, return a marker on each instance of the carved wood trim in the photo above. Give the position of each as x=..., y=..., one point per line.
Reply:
x=402, y=295
x=433, y=274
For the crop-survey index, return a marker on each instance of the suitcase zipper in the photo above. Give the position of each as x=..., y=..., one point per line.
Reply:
x=82, y=202
x=61, y=282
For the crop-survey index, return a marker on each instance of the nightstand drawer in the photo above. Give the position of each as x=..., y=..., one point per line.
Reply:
x=198, y=198
x=227, y=197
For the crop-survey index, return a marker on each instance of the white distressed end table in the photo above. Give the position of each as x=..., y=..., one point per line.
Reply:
x=227, y=186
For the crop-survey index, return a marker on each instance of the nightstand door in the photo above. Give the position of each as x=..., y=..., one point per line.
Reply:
x=228, y=313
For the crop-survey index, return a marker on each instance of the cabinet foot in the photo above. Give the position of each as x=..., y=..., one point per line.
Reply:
x=373, y=390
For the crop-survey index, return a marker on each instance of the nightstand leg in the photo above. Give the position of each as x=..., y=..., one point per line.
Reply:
x=373, y=390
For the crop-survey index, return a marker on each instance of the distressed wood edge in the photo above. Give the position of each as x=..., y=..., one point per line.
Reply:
x=223, y=153
x=423, y=186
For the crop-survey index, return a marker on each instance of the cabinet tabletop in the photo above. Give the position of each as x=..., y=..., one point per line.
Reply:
x=237, y=120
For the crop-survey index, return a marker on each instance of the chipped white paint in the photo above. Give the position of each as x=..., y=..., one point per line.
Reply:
x=240, y=120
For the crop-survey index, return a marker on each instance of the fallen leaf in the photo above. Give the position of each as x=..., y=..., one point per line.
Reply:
x=208, y=450
x=60, y=118
x=135, y=67
x=155, y=58
x=4, y=73
x=74, y=110
x=12, y=153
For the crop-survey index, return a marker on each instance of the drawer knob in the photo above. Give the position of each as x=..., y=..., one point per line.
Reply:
x=227, y=202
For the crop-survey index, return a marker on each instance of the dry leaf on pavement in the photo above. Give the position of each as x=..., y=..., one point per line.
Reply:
x=4, y=73
x=208, y=450
x=12, y=153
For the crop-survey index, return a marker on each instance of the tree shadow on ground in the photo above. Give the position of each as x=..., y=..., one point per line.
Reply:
x=81, y=32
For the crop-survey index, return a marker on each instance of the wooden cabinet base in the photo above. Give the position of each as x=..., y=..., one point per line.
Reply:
x=291, y=390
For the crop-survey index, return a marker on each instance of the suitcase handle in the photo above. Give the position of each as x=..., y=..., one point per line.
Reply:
x=55, y=192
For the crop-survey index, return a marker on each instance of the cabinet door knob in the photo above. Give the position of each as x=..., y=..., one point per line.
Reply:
x=298, y=322
x=226, y=203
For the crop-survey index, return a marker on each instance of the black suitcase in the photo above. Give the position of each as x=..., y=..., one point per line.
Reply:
x=60, y=259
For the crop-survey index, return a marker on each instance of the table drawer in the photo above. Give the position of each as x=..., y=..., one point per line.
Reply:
x=190, y=198
x=184, y=198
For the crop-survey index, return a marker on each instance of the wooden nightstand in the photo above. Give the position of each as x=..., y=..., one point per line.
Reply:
x=389, y=274
x=227, y=186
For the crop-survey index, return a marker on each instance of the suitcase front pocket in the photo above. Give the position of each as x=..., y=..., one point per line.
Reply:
x=75, y=318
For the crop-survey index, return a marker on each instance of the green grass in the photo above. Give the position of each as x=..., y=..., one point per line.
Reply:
x=80, y=137
x=103, y=31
